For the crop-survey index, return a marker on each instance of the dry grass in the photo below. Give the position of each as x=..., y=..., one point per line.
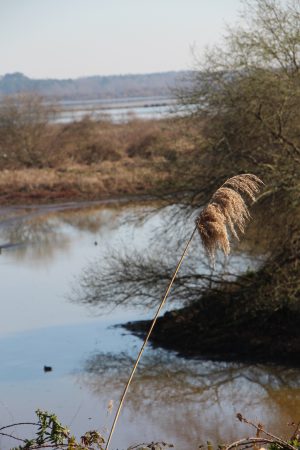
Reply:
x=78, y=182
x=89, y=160
x=227, y=212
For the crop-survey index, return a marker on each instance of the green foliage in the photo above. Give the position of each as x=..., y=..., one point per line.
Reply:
x=51, y=433
x=50, y=429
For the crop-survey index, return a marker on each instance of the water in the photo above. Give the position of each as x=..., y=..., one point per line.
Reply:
x=116, y=110
x=184, y=402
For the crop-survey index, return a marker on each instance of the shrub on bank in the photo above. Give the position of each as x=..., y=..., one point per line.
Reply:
x=30, y=139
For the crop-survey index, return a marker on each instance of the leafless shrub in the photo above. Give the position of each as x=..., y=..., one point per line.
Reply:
x=25, y=131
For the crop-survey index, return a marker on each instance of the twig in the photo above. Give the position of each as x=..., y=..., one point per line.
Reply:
x=17, y=424
x=151, y=445
x=11, y=436
x=260, y=428
x=252, y=441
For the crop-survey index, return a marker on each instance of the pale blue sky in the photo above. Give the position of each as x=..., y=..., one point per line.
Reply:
x=72, y=38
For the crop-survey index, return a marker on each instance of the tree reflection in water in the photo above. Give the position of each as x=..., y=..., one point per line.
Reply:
x=193, y=400
x=40, y=234
x=138, y=277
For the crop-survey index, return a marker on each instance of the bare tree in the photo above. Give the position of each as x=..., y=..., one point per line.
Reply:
x=24, y=120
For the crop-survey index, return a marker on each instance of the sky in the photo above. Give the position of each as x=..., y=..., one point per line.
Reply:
x=74, y=38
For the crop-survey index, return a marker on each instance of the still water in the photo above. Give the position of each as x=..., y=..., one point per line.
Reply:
x=185, y=402
x=116, y=110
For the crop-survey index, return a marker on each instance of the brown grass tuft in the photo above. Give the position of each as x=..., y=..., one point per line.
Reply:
x=227, y=212
x=246, y=183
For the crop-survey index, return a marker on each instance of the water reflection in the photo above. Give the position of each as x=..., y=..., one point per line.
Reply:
x=197, y=400
x=177, y=400
x=137, y=275
x=38, y=235
x=38, y=238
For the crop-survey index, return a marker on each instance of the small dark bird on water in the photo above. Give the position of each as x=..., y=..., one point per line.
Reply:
x=47, y=369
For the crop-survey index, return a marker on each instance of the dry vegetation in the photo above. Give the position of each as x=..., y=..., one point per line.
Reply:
x=88, y=159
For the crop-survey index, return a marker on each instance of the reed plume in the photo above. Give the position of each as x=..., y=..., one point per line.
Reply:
x=227, y=212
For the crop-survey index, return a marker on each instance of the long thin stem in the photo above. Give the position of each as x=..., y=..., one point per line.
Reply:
x=147, y=338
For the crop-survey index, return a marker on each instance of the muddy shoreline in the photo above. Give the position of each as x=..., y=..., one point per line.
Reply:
x=49, y=197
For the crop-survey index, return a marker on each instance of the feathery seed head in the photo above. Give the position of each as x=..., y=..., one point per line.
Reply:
x=226, y=211
x=246, y=183
x=212, y=228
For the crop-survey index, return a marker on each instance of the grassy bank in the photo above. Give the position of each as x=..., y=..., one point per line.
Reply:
x=76, y=182
x=89, y=160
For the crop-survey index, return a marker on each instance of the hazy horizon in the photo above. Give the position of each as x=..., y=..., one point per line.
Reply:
x=96, y=74
x=80, y=38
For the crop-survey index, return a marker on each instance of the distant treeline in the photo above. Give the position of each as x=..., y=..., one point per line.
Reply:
x=114, y=86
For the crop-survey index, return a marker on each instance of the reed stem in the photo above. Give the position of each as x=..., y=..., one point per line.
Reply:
x=147, y=338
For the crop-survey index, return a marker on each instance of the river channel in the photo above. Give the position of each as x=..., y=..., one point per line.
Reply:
x=185, y=402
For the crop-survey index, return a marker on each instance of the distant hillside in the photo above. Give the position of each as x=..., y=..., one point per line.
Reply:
x=115, y=86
